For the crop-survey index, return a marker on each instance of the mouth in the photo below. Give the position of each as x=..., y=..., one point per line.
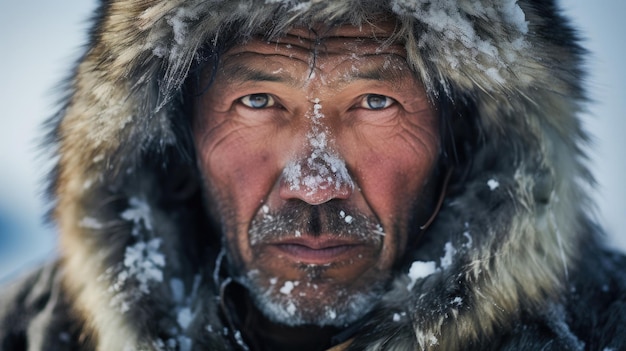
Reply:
x=318, y=250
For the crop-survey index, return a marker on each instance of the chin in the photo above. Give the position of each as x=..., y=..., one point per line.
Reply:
x=298, y=303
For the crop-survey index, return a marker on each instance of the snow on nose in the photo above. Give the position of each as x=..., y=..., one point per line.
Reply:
x=321, y=175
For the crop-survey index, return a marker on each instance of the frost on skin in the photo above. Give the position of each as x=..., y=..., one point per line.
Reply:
x=288, y=287
x=322, y=169
x=347, y=218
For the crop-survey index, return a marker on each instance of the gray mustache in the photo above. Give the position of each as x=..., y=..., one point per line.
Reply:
x=299, y=218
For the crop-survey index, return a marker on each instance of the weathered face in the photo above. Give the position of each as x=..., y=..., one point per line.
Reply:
x=317, y=151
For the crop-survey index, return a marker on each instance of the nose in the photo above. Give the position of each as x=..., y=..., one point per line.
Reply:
x=316, y=178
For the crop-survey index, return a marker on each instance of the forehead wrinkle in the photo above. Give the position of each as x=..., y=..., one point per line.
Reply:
x=380, y=72
x=241, y=72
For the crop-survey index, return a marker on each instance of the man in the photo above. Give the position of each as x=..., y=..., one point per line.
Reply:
x=320, y=175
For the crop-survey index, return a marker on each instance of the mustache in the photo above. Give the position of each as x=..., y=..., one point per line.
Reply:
x=298, y=218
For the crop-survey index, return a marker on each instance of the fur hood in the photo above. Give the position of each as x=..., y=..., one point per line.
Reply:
x=141, y=263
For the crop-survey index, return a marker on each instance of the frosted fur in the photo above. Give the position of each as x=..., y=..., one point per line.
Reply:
x=449, y=23
x=503, y=242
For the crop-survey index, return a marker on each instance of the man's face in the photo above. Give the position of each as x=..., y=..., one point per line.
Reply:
x=316, y=151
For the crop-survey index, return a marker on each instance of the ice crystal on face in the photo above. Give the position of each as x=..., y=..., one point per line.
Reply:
x=287, y=287
x=139, y=214
x=347, y=218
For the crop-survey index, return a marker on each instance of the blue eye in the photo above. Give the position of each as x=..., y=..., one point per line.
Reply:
x=376, y=102
x=261, y=100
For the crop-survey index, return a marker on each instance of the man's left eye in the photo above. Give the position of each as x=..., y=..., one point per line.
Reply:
x=376, y=102
x=261, y=100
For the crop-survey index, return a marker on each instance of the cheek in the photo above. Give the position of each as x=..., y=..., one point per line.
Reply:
x=392, y=168
x=391, y=182
x=239, y=171
x=239, y=174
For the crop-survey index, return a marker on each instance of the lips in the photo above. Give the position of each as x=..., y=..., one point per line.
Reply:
x=317, y=250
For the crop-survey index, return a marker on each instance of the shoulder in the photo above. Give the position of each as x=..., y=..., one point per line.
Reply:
x=591, y=314
x=34, y=313
x=597, y=300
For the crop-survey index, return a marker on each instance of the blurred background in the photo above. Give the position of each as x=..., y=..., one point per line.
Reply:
x=40, y=41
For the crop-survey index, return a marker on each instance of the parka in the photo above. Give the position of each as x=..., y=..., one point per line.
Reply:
x=518, y=262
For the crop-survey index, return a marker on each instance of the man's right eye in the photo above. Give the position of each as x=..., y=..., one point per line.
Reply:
x=261, y=100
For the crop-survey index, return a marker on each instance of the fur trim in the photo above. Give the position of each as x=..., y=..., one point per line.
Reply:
x=503, y=243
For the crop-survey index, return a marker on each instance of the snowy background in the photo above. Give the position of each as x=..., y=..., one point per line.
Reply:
x=40, y=41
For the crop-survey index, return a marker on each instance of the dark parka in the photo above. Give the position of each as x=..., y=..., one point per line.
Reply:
x=519, y=261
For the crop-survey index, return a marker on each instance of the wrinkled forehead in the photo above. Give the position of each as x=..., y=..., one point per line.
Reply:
x=321, y=46
x=376, y=36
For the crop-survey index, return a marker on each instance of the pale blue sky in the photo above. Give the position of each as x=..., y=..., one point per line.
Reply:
x=40, y=40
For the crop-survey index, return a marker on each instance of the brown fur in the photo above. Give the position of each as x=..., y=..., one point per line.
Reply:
x=126, y=101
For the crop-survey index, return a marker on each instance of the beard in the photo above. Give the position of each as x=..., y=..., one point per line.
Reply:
x=317, y=298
